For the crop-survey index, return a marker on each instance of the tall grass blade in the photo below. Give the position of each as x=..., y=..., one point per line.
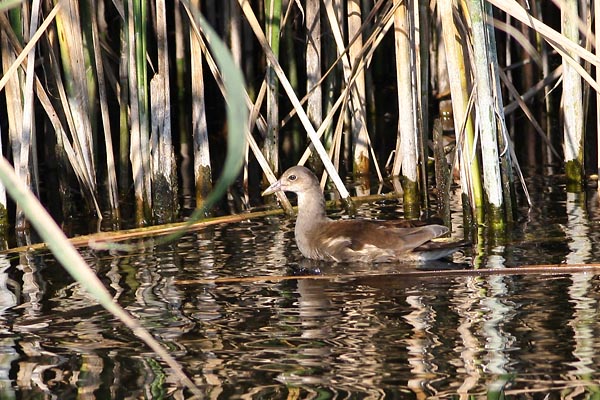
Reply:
x=8, y=4
x=72, y=261
x=254, y=117
x=237, y=111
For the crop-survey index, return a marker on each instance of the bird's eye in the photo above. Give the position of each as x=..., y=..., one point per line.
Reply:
x=292, y=177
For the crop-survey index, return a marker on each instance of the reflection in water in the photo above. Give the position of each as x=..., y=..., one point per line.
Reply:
x=585, y=310
x=466, y=299
x=348, y=331
x=585, y=315
x=420, y=344
x=576, y=229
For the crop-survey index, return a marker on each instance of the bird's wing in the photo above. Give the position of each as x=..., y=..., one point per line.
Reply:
x=361, y=240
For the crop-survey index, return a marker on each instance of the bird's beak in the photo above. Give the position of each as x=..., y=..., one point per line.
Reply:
x=275, y=187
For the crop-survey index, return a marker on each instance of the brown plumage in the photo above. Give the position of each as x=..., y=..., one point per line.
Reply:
x=321, y=238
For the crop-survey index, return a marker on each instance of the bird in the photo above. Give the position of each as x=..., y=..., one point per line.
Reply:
x=319, y=237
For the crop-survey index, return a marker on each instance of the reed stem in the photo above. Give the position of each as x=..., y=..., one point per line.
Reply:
x=572, y=102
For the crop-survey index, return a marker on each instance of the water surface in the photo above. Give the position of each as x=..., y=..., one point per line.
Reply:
x=226, y=303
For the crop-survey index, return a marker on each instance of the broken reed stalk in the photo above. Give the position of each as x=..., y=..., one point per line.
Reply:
x=180, y=91
x=457, y=73
x=136, y=20
x=406, y=159
x=200, y=143
x=358, y=106
x=572, y=102
x=164, y=172
x=486, y=92
x=505, y=145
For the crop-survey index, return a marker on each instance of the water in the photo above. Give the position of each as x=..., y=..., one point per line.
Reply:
x=223, y=301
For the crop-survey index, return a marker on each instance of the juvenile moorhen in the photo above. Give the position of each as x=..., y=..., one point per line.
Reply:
x=321, y=238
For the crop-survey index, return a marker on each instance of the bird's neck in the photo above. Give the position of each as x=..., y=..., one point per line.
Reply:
x=311, y=207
